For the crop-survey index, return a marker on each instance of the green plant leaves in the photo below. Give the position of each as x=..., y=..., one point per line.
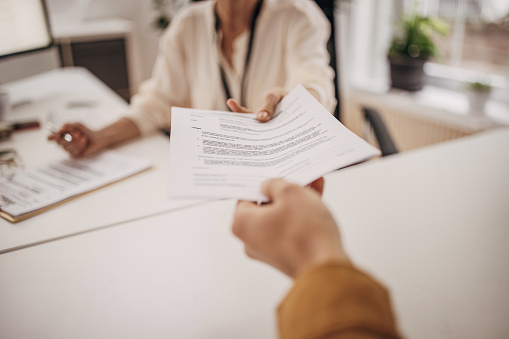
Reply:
x=413, y=37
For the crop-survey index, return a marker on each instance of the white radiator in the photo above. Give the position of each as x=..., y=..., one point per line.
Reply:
x=411, y=126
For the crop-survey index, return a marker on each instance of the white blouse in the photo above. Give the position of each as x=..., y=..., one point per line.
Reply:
x=289, y=48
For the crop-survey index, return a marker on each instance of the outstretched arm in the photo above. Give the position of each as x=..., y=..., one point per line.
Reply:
x=297, y=234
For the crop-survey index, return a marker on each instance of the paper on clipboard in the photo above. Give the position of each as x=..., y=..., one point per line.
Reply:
x=32, y=191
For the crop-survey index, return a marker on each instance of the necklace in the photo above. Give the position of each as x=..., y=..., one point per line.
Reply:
x=227, y=92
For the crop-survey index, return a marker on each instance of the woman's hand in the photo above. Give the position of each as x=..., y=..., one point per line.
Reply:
x=267, y=108
x=77, y=139
x=84, y=141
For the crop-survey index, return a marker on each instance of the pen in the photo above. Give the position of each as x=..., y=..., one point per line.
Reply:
x=53, y=129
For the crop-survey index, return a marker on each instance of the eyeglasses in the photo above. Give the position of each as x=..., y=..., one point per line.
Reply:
x=10, y=163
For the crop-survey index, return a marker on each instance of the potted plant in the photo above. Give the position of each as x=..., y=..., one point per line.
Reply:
x=411, y=47
x=478, y=93
x=165, y=11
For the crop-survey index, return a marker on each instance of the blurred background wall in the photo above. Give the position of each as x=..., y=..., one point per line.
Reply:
x=140, y=12
x=476, y=49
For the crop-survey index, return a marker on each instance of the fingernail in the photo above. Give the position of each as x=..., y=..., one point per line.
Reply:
x=263, y=115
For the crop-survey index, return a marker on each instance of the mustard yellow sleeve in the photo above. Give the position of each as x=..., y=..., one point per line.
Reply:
x=335, y=300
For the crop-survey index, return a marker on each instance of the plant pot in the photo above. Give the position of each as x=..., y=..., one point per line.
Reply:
x=477, y=101
x=407, y=73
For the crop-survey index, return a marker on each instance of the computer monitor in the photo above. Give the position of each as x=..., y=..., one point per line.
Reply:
x=24, y=27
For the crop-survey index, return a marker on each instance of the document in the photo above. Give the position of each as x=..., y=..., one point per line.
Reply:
x=32, y=191
x=215, y=154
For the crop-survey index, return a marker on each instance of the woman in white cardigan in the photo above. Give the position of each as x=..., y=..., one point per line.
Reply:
x=242, y=55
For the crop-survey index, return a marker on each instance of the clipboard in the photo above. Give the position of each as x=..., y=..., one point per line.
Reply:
x=93, y=173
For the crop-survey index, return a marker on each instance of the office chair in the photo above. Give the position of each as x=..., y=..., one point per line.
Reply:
x=377, y=124
x=327, y=6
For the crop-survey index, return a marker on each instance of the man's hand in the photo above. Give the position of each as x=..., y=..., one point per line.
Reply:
x=267, y=108
x=292, y=232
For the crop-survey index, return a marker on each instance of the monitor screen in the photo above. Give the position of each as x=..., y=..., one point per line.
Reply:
x=23, y=26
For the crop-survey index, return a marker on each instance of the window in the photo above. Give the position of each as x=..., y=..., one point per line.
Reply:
x=478, y=41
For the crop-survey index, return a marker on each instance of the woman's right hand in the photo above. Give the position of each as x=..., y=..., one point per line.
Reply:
x=78, y=140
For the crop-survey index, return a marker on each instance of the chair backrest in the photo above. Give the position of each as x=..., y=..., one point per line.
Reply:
x=327, y=7
x=377, y=124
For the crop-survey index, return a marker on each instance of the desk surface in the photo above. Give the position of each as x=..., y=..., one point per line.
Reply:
x=433, y=225
x=178, y=275
x=141, y=195
x=430, y=224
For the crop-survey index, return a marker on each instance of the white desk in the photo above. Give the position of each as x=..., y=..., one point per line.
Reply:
x=141, y=195
x=179, y=275
x=431, y=224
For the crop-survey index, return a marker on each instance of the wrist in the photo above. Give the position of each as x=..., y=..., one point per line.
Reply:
x=104, y=138
x=122, y=130
x=320, y=258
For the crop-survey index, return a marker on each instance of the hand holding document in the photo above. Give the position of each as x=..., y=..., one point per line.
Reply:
x=219, y=155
